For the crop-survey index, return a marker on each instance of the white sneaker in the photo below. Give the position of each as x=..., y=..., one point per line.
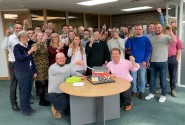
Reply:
x=150, y=96
x=162, y=98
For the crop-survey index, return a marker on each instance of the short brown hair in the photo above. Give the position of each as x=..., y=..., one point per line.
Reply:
x=116, y=49
x=139, y=25
x=156, y=23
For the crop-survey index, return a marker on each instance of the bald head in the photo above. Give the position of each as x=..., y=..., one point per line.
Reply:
x=60, y=59
x=59, y=55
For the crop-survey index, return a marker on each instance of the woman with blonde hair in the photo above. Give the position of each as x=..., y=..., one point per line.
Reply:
x=55, y=46
x=41, y=60
x=77, y=52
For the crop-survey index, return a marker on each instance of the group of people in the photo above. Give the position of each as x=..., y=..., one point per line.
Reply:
x=44, y=56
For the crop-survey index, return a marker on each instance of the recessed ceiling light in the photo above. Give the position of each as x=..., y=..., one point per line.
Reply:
x=10, y=16
x=96, y=2
x=137, y=8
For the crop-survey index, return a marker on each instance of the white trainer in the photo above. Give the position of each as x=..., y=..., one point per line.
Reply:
x=162, y=98
x=150, y=96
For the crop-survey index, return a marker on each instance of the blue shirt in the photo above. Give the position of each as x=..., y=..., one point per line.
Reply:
x=140, y=48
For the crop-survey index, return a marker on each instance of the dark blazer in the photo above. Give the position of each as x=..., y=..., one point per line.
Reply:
x=23, y=59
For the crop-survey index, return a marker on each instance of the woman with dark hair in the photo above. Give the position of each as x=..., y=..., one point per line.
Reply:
x=77, y=52
x=25, y=70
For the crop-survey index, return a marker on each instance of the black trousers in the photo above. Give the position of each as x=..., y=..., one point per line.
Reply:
x=125, y=97
x=172, y=68
x=13, y=85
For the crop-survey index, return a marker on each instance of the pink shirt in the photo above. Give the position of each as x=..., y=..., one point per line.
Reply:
x=173, y=47
x=122, y=69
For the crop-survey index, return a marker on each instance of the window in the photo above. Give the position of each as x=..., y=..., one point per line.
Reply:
x=37, y=18
x=104, y=19
x=75, y=19
x=57, y=18
x=11, y=17
x=92, y=21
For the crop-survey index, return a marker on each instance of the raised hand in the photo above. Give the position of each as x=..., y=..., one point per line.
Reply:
x=8, y=32
x=61, y=45
x=132, y=59
x=25, y=22
x=71, y=45
x=33, y=49
x=92, y=41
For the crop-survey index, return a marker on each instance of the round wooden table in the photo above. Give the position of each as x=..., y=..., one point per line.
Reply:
x=90, y=90
x=104, y=97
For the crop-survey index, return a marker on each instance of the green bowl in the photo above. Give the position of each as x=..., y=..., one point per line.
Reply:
x=73, y=79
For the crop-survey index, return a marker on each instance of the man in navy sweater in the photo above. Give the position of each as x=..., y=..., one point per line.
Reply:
x=140, y=50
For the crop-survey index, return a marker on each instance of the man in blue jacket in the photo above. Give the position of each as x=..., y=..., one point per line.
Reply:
x=140, y=50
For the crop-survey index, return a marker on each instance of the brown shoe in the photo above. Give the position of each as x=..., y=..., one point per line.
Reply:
x=141, y=96
x=173, y=93
x=128, y=107
x=55, y=113
x=133, y=94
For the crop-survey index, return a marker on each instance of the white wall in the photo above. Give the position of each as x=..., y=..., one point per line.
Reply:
x=3, y=58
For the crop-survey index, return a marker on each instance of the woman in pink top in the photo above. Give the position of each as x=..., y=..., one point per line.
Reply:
x=120, y=68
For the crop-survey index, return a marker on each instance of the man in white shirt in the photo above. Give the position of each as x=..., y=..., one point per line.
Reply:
x=64, y=37
x=9, y=42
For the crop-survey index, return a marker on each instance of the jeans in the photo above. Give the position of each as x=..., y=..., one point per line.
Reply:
x=25, y=81
x=141, y=75
x=13, y=85
x=162, y=68
x=60, y=101
x=172, y=68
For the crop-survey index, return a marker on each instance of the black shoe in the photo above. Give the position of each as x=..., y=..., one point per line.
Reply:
x=44, y=103
x=15, y=108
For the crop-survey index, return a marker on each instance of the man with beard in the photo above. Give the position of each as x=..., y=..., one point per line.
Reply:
x=158, y=61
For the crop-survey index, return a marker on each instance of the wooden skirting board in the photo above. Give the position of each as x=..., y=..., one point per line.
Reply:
x=4, y=78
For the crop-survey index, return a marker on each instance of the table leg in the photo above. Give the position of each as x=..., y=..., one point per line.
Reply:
x=100, y=111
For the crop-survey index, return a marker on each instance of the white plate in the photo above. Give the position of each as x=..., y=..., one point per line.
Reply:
x=78, y=84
